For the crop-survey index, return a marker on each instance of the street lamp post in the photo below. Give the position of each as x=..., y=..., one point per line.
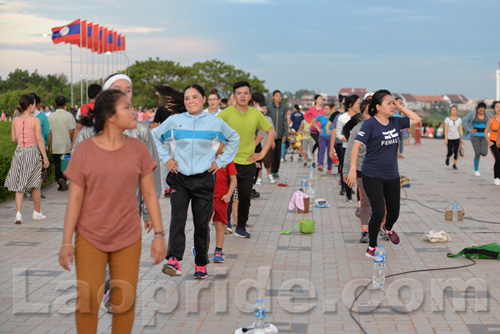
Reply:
x=70, y=61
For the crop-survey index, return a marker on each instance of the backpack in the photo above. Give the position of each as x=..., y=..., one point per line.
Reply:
x=489, y=251
x=307, y=226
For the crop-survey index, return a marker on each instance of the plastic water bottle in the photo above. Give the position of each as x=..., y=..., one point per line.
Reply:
x=311, y=173
x=379, y=267
x=455, y=210
x=286, y=180
x=304, y=183
x=259, y=318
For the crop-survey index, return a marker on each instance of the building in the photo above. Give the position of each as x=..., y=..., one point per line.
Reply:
x=353, y=91
x=431, y=101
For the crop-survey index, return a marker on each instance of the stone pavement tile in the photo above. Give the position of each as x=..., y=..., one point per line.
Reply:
x=325, y=263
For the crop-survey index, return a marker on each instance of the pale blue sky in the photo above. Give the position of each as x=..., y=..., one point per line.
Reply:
x=421, y=47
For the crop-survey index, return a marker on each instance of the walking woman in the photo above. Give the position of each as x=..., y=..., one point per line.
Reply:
x=355, y=124
x=491, y=135
x=324, y=137
x=351, y=105
x=380, y=174
x=103, y=214
x=313, y=112
x=453, y=134
x=474, y=125
x=29, y=157
x=187, y=143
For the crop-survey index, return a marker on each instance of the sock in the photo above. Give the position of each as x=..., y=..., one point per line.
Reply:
x=217, y=249
x=476, y=164
x=371, y=248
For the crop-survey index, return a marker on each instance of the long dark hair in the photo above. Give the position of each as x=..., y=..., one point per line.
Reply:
x=105, y=107
x=377, y=99
x=349, y=101
x=173, y=99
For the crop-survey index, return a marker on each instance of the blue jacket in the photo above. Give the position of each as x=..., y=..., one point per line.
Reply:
x=192, y=142
x=468, y=121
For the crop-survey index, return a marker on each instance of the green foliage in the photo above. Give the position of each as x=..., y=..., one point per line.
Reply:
x=6, y=154
x=209, y=74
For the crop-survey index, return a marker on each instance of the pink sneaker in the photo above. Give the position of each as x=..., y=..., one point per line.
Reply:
x=172, y=268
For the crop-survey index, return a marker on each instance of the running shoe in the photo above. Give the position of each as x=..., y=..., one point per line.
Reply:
x=320, y=168
x=200, y=272
x=383, y=235
x=275, y=175
x=393, y=236
x=242, y=233
x=19, y=218
x=370, y=252
x=42, y=195
x=228, y=230
x=447, y=161
x=342, y=192
x=28, y=195
x=348, y=200
x=254, y=194
x=172, y=268
x=400, y=156
x=271, y=178
x=218, y=257
x=364, y=238
x=497, y=181
x=305, y=164
x=314, y=164
x=455, y=167
x=38, y=216
x=476, y=173
x=329, y=172
x=258, y=182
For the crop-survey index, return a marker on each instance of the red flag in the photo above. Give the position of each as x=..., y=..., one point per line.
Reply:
x=101, y=40
x=123, y=43
x=95, y=38
x=105, y=40
x=82, y=42
x=119, y=42
x=69, y=33
x=88, y=35
x=115, y=41
x=111, y=43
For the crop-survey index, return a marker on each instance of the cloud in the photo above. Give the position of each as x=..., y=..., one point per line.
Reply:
x=141, y=30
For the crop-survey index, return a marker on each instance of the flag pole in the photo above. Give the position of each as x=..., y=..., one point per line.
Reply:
x=81, y=62
x=86, y=62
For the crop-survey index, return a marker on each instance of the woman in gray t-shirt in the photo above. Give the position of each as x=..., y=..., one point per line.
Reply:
x=453, y=133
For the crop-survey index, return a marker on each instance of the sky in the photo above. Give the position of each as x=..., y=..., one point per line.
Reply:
x=422, y=47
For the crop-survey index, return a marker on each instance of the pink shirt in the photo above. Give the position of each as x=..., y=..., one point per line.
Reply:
x=139, y=116
x=24, y=133
x=311, y=114
x=109, y=218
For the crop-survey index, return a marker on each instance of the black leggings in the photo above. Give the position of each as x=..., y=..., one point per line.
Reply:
x=383, y=195
x=496, y=153
x=453, y=146
x=315, y=137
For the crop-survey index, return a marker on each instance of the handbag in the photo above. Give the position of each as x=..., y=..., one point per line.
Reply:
x=307, y=226
x=461, y=151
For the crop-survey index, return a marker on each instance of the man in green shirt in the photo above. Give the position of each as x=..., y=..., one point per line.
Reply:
x=246, y=120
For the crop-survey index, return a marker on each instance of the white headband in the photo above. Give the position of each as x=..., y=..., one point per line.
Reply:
x=114, y=78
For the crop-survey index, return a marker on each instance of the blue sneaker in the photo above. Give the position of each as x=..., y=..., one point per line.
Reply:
x=218, y=257
x=242, y=233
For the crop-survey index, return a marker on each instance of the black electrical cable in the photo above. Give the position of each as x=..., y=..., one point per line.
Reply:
x=398, y=274
x=419, y=270
x=436, y=210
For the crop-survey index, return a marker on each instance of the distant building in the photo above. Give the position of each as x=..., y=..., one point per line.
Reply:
x=353, y=91
x=431, y=101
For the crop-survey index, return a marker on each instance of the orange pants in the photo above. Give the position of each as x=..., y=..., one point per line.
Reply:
x=91, y=265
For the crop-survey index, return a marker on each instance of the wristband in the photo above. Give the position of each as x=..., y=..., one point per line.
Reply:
x=157, y=236
x=67, y=245
x=160, y=233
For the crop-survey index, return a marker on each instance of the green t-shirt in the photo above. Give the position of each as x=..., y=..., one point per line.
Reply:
x=245, y=124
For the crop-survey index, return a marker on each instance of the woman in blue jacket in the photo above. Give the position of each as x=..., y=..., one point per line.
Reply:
x=187, y=143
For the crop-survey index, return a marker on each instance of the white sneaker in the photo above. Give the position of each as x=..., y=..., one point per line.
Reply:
x=259, y=181
x=18, y=218
x=38, y=216
x=497, y=181
x=271, y=179
x=476, y=173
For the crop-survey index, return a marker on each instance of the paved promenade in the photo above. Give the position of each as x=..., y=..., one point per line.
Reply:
x=308, y=281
